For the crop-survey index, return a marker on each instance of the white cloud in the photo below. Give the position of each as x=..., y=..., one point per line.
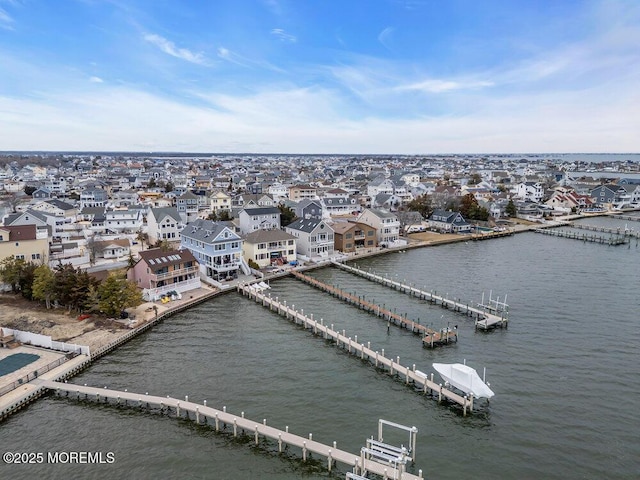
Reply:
x=312, y=120
x=170, y=48
x=283, y=36
x=96, y=80
x=6, y=22
x=385, y=36
x=442, y=86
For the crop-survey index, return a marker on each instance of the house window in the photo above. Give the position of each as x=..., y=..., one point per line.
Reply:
x=19, y=257
x=219, y=247
x=35, y=256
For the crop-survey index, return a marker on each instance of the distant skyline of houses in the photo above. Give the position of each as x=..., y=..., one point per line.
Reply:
x=88, y=208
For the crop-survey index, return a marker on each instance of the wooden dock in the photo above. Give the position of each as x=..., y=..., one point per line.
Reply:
x=630, y=218
x=360, y=350
x=237, y=424
x=431, y=338
x=484, y=319
x=584, y=237
x=613, y=231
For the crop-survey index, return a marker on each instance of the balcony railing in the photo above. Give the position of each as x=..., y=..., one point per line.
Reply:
x=174, y=273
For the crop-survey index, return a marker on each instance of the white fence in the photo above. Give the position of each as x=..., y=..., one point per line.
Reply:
x=45, y=341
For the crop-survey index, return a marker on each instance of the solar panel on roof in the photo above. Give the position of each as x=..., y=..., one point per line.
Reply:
x=151, y=261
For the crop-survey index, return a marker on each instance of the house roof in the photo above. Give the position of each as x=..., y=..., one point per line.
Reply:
x=267, y=236
x=120, y=242
x=206, y=231
x=21, y=232
x=60, y=204
x=262, y=211
x=306, y=225
x=161, y=212
x=15, y=216
x=343, y=227
x=382, y=213
x=159, y=257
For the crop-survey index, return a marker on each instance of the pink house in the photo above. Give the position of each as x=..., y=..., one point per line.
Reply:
x=160, y=271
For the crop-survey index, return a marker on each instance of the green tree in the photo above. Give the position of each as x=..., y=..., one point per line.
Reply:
x=422, y=205
x=511, y=209
x=28, y=190
x=116, y=294
x=287, y=215
x=142, y=237
x=475, y=179
x=224, y=216
x=152, y=183
x=11, y=269
x=43, y=285
x=213, y=216
x=27, y=276
x=169, y=186
x=471, y=210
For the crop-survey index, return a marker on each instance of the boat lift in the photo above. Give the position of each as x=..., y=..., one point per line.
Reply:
x=396, y=457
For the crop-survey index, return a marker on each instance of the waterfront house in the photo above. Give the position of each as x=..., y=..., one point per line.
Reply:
x=160, y=271
x=350, y=236
x=217, y=248
x=314, y=238
x=386, y=224
x=269, y=247
x=609, y=194
x=164, y=224
x=446, y=221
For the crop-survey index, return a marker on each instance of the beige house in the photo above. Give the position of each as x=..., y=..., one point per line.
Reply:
x=220, y=201
x=269, y=247
x=25, y=242
x=300, y=192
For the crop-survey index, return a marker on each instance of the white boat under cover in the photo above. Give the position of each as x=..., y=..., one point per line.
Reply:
x=463, y=378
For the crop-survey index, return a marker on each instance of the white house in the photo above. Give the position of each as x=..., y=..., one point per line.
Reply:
x=533, y=191
x=263, y=218
x=386, y=224
x=314, y=238
x=123, y=221
x=164, y=224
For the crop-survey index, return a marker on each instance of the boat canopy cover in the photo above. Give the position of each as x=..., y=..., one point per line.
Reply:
x=463, y=378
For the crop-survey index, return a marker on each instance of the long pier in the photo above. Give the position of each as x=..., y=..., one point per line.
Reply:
x=364, y=352
x=239, y=425
x=614, y=241
x=613, y=231
x=631, y=218
x=483, y=319
x=430, y=337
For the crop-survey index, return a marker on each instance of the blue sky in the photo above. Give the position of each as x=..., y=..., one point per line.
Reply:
x=320, y=76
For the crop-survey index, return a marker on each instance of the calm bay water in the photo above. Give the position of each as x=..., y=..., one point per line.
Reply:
x=564, y=373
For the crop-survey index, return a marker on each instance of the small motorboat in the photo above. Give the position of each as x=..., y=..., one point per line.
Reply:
x=464, y=378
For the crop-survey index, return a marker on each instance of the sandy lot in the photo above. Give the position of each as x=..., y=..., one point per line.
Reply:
x=16, y=312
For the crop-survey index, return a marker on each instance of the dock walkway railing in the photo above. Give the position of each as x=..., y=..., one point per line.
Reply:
x=364, y=352
x=239, y=425
x=430, y=337
x=483, y=319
